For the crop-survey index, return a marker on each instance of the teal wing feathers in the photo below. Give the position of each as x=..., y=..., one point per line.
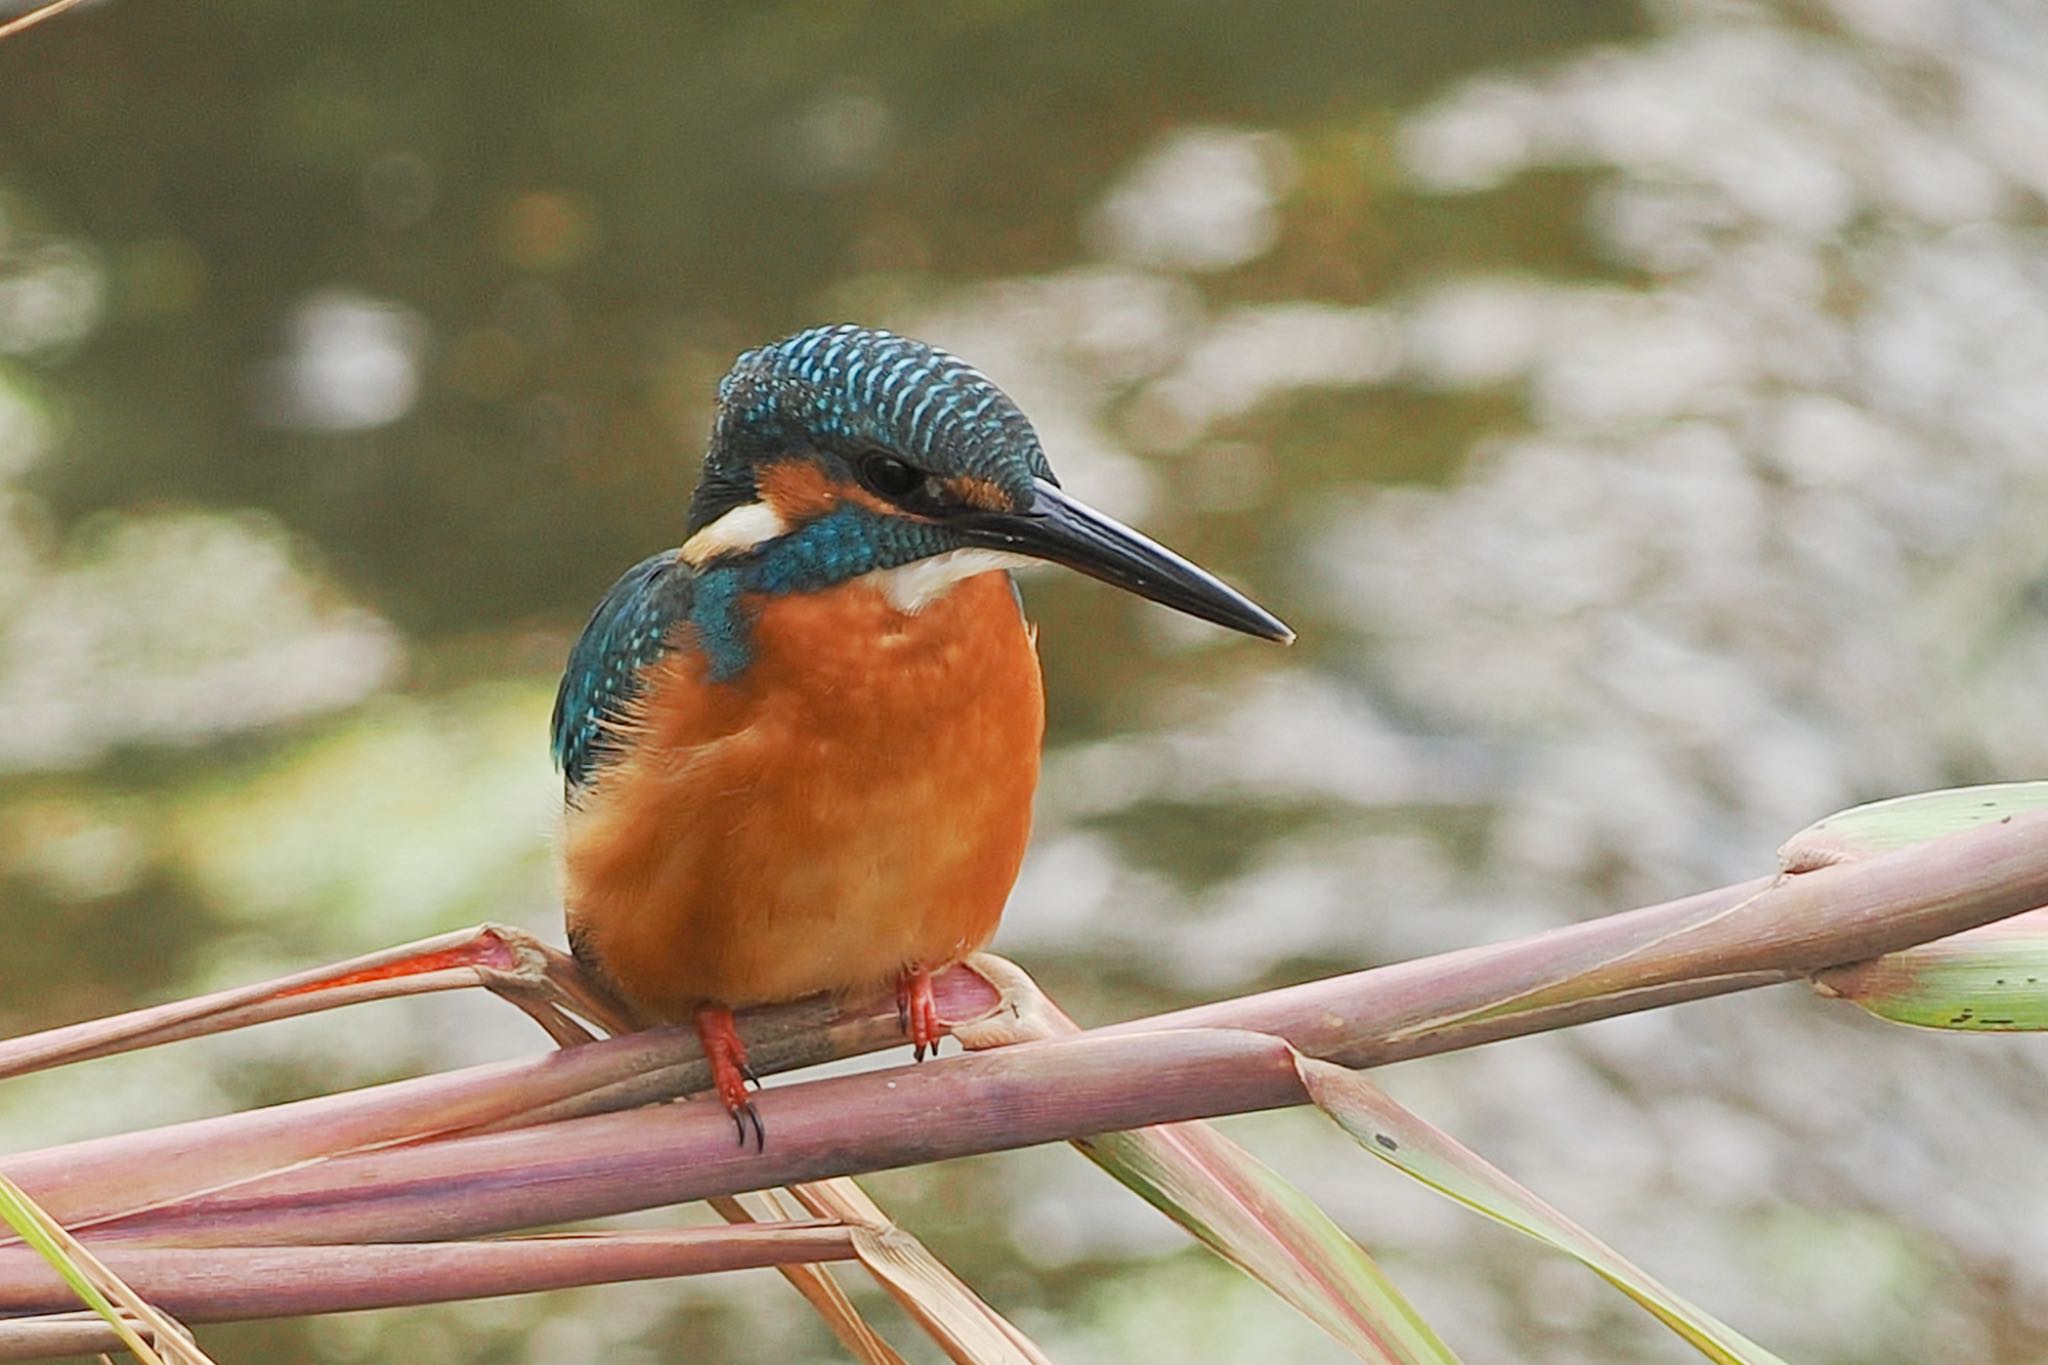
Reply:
x=632, y=626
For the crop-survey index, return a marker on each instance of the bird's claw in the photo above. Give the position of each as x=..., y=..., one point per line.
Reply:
x=744, y=1114
x=917, y=1014
x=730, y=1074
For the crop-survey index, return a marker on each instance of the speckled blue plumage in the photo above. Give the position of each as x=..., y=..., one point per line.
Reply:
x=842, y=390
x=831, y=394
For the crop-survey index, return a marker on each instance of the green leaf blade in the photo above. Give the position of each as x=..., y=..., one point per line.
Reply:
x=1903, y=821
x=1251, y=1216
x=1427, y=1154
x=1988, y=980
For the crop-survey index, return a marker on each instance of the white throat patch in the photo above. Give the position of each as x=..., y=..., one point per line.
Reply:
x=911, y=588
x=743, y=528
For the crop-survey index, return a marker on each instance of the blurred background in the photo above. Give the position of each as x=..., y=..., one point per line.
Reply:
x=1640, y=409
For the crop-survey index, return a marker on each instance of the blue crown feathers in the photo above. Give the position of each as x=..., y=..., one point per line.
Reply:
x=843, y=390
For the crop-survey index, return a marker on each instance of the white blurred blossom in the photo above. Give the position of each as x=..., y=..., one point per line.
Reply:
x=173, y=627
x=351, y=363
x=1204, y=199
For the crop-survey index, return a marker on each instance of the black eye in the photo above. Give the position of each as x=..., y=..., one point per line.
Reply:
x=889, y=476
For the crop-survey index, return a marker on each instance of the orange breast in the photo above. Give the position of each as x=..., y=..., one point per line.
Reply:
x=855, y=802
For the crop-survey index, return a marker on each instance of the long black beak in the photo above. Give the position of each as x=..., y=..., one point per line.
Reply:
x=1058, y=528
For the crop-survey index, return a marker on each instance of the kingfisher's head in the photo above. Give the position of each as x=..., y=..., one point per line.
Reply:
x=842, y=451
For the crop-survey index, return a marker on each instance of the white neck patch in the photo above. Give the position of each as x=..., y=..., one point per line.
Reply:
x=744, y=527
x=912, y=587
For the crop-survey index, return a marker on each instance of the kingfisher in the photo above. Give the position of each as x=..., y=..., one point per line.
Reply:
x=799, y=749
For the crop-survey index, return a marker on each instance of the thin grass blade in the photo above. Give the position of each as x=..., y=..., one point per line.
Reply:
x=127, y=1313
x=1420, y=1150
x=965, y=1328
x=33, y=1227
x=820, y=1290
x=963, y=1324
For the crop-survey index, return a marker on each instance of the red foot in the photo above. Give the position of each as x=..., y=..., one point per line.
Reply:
x=729, y=1070
x=918, y=1013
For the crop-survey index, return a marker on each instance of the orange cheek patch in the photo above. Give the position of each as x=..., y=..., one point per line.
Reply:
x=802, y=491
x=980, y=493
x=797, y=489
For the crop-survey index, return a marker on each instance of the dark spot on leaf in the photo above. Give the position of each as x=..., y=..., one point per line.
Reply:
x=1387, y=1142
x=2006, y=821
